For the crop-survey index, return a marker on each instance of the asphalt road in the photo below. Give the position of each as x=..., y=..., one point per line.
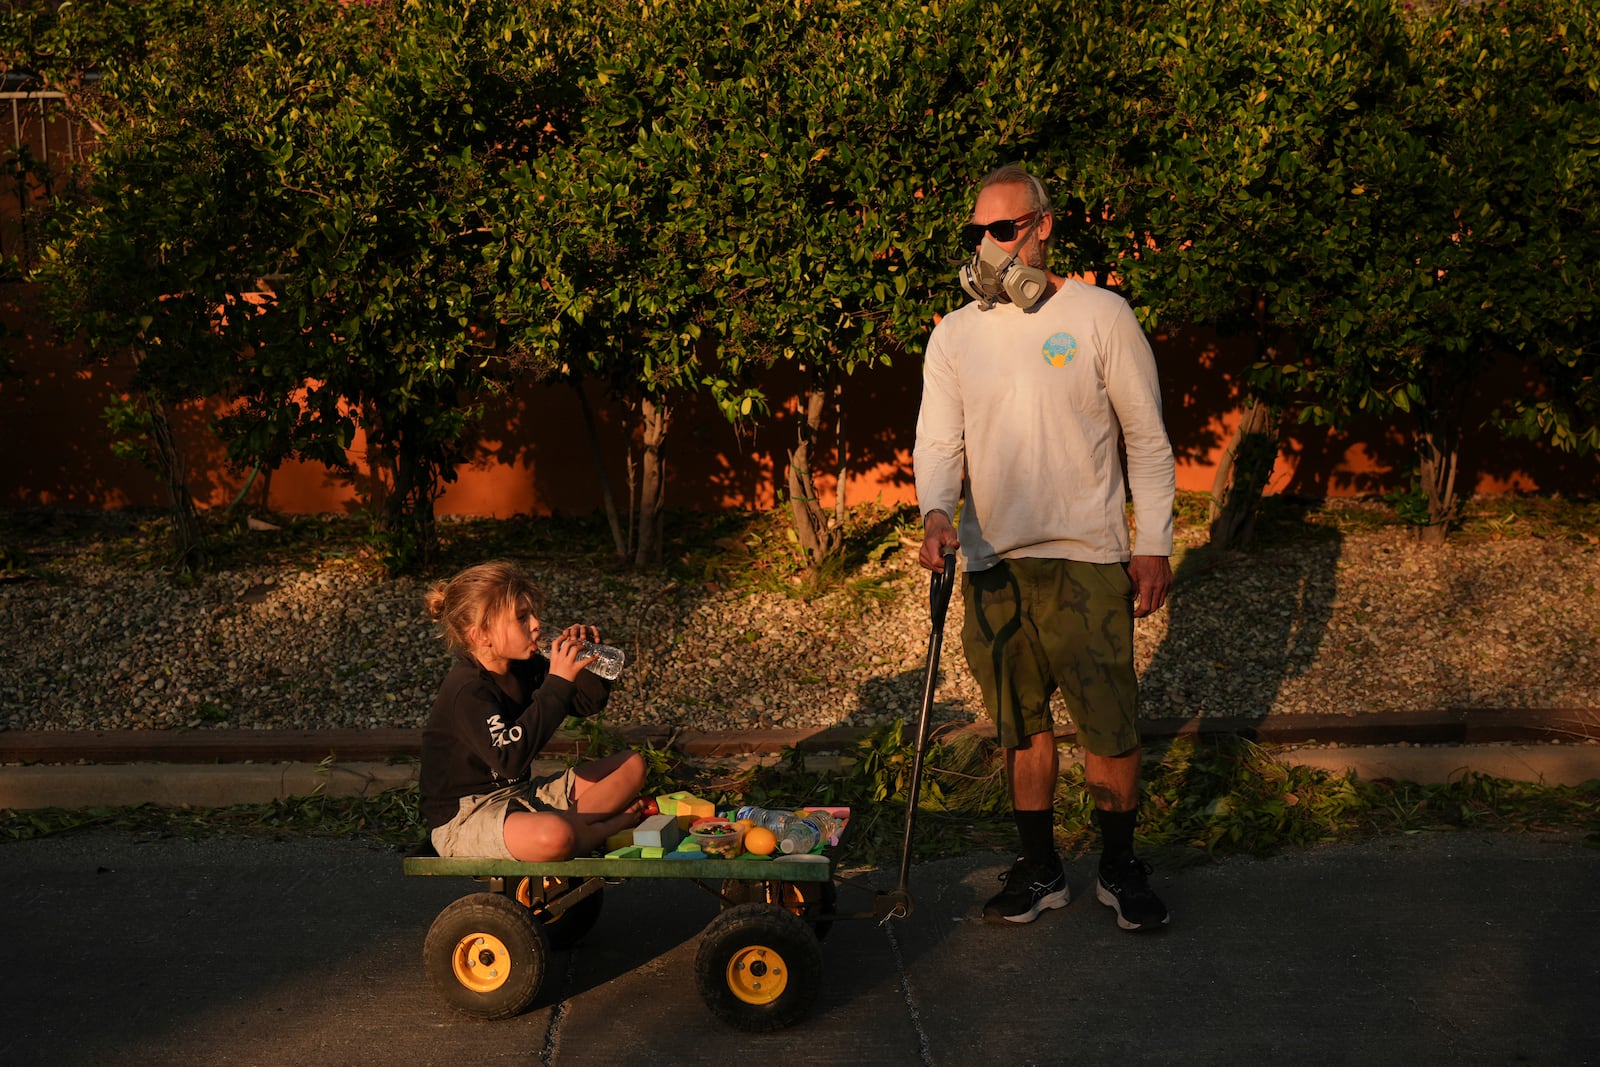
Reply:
x=1436, y=948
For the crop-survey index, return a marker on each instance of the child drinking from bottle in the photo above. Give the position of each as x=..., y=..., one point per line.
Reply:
x=500, y=702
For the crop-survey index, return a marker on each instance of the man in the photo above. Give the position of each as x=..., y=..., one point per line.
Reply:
x=1026, y=392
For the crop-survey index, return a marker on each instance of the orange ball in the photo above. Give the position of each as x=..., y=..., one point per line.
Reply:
x=760, y=840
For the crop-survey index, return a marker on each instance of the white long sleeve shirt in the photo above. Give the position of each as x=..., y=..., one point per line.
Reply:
x=1031, y=404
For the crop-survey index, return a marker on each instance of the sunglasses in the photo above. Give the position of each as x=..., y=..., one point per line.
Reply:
x=1000, y=229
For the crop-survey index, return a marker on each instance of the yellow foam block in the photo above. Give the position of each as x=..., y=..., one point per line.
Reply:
x=667, y=803
x=686, y=806
x=700, y=809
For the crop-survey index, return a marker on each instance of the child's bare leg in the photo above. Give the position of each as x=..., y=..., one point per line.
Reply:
x=542, y=837
x=590, y=831
x=550, y=837
x=605, y=800
x=608, y=785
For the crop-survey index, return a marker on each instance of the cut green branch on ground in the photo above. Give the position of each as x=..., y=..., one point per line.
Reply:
x=1201, y=800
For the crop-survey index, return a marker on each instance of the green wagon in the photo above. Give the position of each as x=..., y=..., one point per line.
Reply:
x=759, y=963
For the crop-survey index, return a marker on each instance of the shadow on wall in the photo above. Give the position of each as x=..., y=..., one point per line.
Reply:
x=1200, y=389
x=532, y=455
x=53, y=431
x=1202, y=386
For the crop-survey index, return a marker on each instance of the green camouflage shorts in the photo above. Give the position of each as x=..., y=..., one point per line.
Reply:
x=1034, y=626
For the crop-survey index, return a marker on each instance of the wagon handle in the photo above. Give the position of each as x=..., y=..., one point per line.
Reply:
x=938, y=604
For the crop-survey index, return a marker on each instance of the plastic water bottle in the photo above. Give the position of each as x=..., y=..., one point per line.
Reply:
x=801, y=837
x=827, y=826
x=611, y=660
x=772, y=819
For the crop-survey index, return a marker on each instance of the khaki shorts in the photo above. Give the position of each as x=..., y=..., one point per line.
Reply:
x=1036, y=626
x=479, y=828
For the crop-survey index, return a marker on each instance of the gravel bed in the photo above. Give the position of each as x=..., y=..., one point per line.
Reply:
x=1359, y=623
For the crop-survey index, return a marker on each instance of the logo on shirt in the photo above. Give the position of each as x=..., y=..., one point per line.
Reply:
x=1059, y=350
x=500, y=735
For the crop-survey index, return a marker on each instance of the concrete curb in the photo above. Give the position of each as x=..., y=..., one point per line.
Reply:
x=220, y=785
x=1540, y=764
x=1449, y=726
x=195, y=785
x=216, y=768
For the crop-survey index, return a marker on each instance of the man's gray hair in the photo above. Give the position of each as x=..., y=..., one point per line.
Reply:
x=1016, y=174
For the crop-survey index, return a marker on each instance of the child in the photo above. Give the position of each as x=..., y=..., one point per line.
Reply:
x=499, y=704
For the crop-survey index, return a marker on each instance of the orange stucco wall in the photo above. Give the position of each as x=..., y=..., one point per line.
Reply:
x=532, y=456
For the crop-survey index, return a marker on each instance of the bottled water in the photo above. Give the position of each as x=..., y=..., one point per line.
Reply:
x=774, y=820
x=809, y=828
x=797, y=831
x=827, y=826
x=611, y=660
x=801, y=837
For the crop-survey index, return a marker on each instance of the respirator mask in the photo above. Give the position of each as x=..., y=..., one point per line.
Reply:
x=995, y=276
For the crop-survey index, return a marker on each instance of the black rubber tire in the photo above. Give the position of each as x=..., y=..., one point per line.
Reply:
x=573, y=925
x=802, y=898
x=485, y=955
x=758, y=967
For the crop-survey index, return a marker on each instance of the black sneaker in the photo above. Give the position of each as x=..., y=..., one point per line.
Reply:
x=1125, y=886
x=1028, y=891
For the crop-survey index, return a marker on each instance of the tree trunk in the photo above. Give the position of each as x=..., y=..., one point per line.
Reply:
x=1242, y=475
x=1246, y=465
x=188, y=539
x=408, y=507
x=619, y=537
x=1438, y=443
x=633, y=485
x=841, y=506
x=819, y=536
x=654, y=419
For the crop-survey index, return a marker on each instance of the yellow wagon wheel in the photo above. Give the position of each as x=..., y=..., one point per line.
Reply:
x=757, y=974
x=758, y=967
x=485, y=956
x=481, y=962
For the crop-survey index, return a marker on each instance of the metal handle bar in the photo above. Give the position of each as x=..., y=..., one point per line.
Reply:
x=938, y=604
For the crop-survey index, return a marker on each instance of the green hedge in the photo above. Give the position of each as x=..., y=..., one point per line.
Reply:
x=442, y=197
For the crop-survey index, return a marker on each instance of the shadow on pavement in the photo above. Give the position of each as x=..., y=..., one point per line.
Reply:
x=132, y=951
x=1440, y=948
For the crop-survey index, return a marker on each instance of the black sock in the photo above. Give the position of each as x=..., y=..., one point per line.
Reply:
x=1116, y=836
x=1037, y=830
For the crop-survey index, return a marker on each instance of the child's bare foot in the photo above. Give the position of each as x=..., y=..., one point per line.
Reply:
x=640, y=809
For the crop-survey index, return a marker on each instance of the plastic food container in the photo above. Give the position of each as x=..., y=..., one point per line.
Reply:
x=718, y=837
